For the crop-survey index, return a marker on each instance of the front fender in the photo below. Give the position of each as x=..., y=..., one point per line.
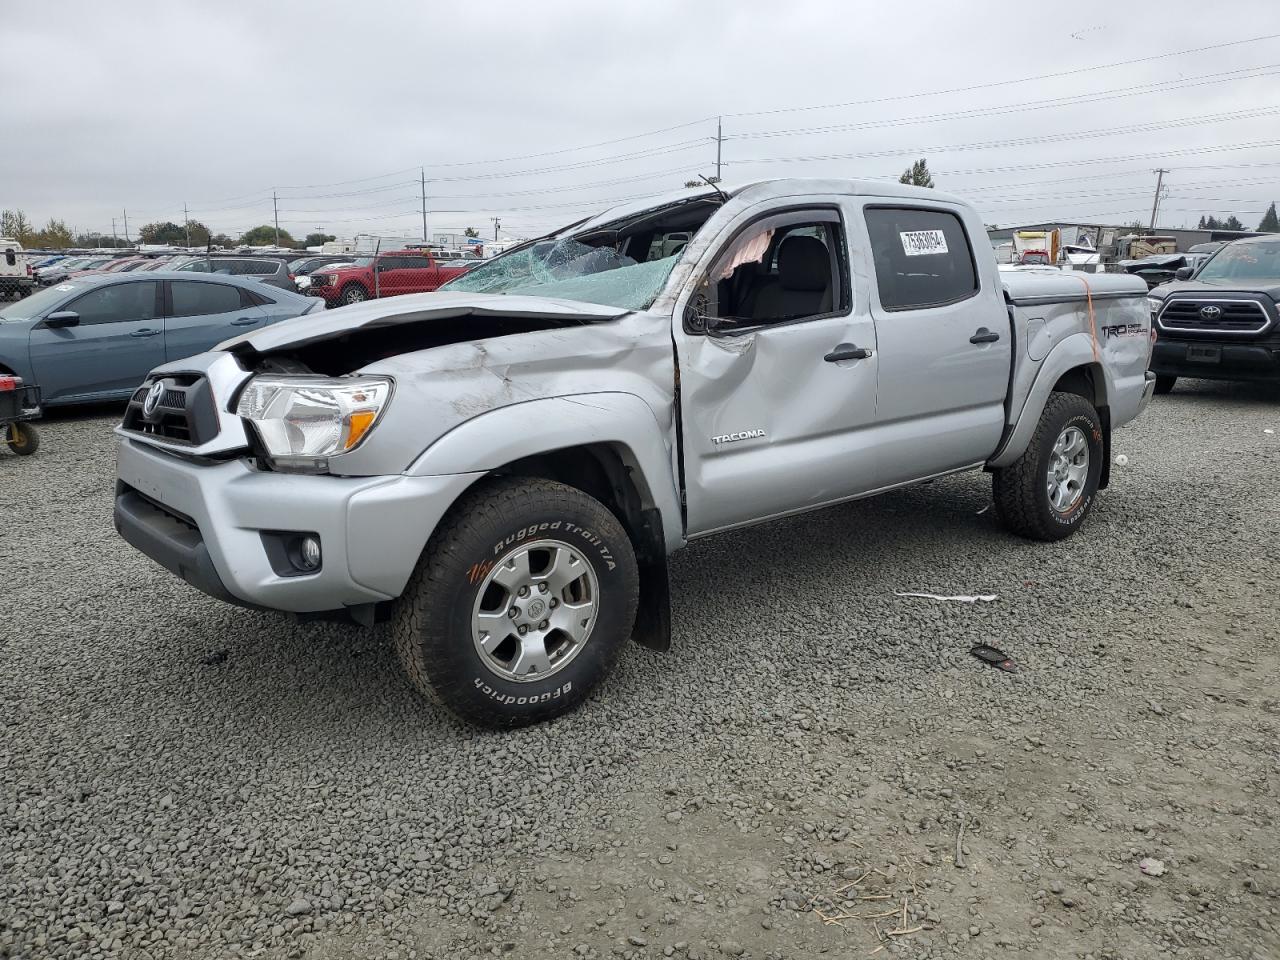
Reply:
x=534, y=427
x=1072, y=352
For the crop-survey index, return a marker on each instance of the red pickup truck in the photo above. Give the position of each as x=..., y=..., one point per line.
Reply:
x=386, y=275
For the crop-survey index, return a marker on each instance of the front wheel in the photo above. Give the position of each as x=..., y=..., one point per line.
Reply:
x=22, y=439
x=354, y=293
x=1048, y=491
x=1165, y=384
x=520, y=605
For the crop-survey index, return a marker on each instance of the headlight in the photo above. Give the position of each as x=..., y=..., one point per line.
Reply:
x=301, y=420
x=1155, y=303
x=324, y=279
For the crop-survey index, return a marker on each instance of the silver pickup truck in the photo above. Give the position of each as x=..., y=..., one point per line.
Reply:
x=499, y=470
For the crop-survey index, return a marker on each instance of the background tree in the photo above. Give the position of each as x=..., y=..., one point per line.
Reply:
x=473, y=233
x=54, y=236
x=14, y=223
x=1270, y=222
x=318, y=239
x=265, y=235
x=222, y=240
x=173, y=234
x=917, y=175
x=1232, y=223
x=694, y=183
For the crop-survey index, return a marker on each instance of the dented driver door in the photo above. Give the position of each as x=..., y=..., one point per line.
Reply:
x=777, y=359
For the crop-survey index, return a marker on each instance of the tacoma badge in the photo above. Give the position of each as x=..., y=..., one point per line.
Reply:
x=733, y=437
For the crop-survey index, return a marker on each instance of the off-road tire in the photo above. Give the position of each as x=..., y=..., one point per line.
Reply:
x=22, y=439
x=1020, y=489
x=431, y=627
x=353, y=293
x=1165, y=384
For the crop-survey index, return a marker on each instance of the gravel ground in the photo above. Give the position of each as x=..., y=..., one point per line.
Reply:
x=179, y=778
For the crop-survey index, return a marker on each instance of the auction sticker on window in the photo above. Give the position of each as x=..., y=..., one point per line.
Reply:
x=919, y=243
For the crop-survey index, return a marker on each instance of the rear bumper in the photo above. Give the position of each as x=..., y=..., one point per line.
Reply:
x=1237, y=361
x=212, y=524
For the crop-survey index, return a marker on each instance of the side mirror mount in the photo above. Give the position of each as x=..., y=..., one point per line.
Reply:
x=1183, y=273
x=63, y=318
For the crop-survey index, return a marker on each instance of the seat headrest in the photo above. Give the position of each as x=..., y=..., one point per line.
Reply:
x=804, y=263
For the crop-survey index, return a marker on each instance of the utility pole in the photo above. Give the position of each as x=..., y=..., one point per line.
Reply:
x=497, y=221
x=422, y=171
x=1155, y=206
x=115, y=241
x=719, y=142
x=186, y=222
x=126, y=226
x=275, y=212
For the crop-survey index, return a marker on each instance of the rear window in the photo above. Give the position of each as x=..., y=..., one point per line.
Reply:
x=922, y=257
x=194, y=299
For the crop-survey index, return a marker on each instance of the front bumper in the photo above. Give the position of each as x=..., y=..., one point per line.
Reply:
x=1235, y=360
x=205, y=522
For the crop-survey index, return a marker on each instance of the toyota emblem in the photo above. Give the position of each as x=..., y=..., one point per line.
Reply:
x=153, y=399
x=1211, y=312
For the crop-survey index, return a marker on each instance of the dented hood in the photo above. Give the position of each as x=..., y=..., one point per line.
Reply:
x=415, y=308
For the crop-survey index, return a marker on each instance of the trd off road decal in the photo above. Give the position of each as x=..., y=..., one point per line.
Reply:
x=920, y=243
x=1124, y=330
x=563, y=526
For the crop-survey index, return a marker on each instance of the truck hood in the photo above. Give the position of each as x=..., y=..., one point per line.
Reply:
x=1216, y=288
x=413, y=309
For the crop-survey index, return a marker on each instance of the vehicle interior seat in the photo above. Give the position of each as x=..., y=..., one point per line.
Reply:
x=803, y=285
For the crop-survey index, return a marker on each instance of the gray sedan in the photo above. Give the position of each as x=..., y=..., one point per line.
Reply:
x=96, y=337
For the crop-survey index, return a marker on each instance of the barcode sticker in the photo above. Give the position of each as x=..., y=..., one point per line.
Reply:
x=919, y=243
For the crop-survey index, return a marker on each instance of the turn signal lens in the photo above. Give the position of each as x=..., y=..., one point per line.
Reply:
x=358, y=425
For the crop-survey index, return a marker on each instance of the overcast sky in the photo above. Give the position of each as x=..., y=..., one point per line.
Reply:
x=145, y=106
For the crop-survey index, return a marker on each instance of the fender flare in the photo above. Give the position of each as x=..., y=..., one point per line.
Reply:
x=1074, y=352
x=498, y=437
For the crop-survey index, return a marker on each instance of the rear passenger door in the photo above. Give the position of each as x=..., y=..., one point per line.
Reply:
x=200, y=314
x=945, y=342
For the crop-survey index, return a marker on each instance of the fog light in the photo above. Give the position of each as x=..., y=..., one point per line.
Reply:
x=309, y=553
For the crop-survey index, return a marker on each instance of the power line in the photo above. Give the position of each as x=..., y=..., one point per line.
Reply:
x=1023, y=106
x=1027, y=141
x=1005, y=83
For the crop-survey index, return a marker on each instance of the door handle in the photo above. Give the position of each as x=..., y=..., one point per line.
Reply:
x=145, y=332
x=243, y=321
x=847, y=351
x=984, y=336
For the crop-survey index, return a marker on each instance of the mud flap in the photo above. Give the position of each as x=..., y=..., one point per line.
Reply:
x=653, y=612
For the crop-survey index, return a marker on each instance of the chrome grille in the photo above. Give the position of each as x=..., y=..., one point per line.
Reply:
x=1214, y=316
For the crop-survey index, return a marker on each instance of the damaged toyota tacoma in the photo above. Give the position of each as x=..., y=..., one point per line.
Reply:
x=498, y=471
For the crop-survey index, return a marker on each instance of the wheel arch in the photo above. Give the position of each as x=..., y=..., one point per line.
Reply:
x=1070, y=367
x=610, y=447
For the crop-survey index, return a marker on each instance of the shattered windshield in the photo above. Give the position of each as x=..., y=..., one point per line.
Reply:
x=623, y=263
x=569, y=270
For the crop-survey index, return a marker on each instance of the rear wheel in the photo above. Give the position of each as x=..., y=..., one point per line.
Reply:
x=353, y=293
x=520, y=605
x=22, y=439
x=1165, y=384
x=1048, y=491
